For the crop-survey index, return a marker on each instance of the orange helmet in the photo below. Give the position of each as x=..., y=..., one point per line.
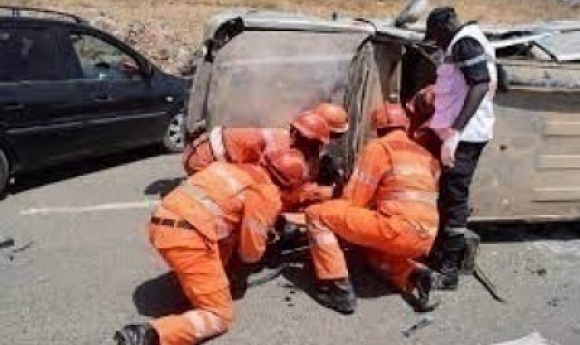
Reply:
x=312, y=126
x=334, y=115
x=287, y=167
x=389, y=115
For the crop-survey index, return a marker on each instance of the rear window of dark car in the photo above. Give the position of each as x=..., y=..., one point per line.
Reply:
x=29, y=54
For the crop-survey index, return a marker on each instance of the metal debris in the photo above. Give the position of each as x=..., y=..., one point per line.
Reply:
x=532, y=339
x=6, y=242
x=422, y=323
x=487, y=284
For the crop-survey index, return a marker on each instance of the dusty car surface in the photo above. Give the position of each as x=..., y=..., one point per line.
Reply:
x=261, y=68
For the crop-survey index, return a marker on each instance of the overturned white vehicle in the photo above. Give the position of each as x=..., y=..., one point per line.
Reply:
x=260, y=69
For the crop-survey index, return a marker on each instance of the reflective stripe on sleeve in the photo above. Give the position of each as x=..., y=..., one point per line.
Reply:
x=216, y=141
x=364, y=178
x=472, y=61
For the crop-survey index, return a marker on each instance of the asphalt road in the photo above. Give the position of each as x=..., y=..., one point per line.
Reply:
x=86, y=269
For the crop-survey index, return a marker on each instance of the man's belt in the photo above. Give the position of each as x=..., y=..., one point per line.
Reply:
x=172, y=223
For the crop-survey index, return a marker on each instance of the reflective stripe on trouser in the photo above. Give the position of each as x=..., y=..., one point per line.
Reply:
x=328, y=258
x=201, y=275
x=198, y=324
x=361, y=226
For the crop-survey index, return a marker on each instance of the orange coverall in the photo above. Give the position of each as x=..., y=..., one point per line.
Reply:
x=389, y=208
x=195, y=229
x=233, y=145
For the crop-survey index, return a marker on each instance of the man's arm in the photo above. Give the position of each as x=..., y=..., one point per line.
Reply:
x=471, y=58
x=363, y=183
x=261, y=208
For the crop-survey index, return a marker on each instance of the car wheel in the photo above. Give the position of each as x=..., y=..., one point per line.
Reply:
x=174, y=140
x=4, y=173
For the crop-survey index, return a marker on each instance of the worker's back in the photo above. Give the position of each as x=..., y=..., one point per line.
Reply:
x=408, y=185
x=233, y=145
x=246, y=145
x=212, y=200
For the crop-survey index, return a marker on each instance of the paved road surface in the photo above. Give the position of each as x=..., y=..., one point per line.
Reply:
x=89, y=270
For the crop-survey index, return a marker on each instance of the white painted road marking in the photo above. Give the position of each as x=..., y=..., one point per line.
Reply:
x=90, y=208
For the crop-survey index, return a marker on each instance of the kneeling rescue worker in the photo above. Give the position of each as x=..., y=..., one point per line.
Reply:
x=247, y=145
x=389, y=208
x=196, y=228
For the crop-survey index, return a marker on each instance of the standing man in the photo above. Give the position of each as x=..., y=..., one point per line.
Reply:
x=389, y=209
x=196, y=229
x=463, y=119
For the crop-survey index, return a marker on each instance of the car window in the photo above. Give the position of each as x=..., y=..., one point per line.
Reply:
x=102, y=61
x=29, y=54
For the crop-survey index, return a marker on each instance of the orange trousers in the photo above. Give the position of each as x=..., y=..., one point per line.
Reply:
x=199, y=267
x=390, y=243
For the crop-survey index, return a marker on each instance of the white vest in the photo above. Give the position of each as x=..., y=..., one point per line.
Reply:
x=451, y=90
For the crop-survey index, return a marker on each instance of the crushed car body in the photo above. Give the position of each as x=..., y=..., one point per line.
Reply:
x=261, y=68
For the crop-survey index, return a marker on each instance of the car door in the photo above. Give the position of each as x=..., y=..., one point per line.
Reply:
x=41, y=111
x=126, y=108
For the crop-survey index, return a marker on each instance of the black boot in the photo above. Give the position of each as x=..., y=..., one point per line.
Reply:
x=337, y=294
x=142, y=334
x=451, y=253
x=420, y=295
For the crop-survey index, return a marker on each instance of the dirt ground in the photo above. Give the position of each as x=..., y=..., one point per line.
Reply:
x=169, y=31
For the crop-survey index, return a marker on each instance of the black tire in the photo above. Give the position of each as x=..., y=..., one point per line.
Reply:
x=4, y=173
x=174, y=139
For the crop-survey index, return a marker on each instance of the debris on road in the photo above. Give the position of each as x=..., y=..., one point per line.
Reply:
x=13, y=251
x=6, y=242
x=486, y=282
x=422, y=323
x=532, y=339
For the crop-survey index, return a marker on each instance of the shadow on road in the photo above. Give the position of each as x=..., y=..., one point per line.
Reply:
x=163, y=295
x=522, y=232
x=160, y=296
x=366, y=282
x=31, y=180
x=162, y=187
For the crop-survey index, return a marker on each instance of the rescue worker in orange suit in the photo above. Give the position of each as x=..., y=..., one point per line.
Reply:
x=246, y=145
x=233, y=145
x=196, y=228
x=419, y=110
x=325, y=176
x=389, y=208
x=330, y=172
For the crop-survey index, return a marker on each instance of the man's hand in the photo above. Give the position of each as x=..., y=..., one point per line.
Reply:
x=450, y=139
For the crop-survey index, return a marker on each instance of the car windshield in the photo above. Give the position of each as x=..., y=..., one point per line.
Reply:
x=264, y=78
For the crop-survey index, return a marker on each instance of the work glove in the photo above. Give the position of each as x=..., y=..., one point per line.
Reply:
x=450, y=139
